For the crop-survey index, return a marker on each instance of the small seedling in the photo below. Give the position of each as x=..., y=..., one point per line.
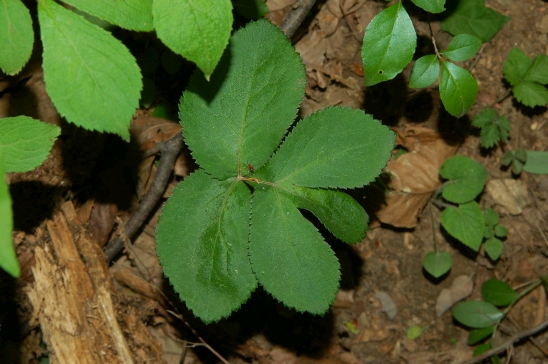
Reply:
x=516, y=159
x=527, y=78
x=494, y=128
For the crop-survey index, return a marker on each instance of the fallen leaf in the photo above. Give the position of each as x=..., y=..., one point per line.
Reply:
x=461, y=288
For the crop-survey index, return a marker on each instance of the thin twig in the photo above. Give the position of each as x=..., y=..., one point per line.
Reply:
x=296, y=16
x=509, y=343
x=170, y=150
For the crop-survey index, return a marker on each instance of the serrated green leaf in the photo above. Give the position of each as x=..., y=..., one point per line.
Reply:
x=493, y=131
x=289, y=257
x=498, y=293
x=531, y=94
x=472, y=17
x=493, y=248
x=462, y=47
x=8, y=258
x=458, y=89
x=431, y=6
x=477, y=335
x=437, y=263
x=465, y=223
x=501, y=231
x=516, y=65
x=16, y=36
x=196, y=29
x=388, y=44
x=503, y=125
x=251, y=9
x=466, y=179
x=491, y=217
x=90, y=76
x=537, y=162
x=340, y=213
x=333, y=147
x=538, y=71
x=425, y=71
x=484, y=117
x=128, y=14
x=25, y=142
x=477, y=314
x=202, y=244
x=239, y=117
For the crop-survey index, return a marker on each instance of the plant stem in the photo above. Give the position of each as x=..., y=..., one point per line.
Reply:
x=434, y=41
x=296, y=16
x=433, y=231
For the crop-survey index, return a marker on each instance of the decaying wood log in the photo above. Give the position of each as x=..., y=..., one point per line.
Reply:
x=75, y=301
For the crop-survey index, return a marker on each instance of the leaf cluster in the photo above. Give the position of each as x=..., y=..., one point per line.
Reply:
x=528, y=78
x=24, y=144
x=494, y=128
x=235, y=223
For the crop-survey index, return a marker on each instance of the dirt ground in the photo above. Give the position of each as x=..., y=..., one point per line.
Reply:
x=91, y=183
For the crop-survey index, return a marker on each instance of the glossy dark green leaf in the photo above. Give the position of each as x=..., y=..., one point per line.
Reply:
x=431, y=6
x=458, y=89
x=480, y=349
x=477, y=314
x=477, y=335
x=437, y=263
x=464, y=223
x=462, y=47
x=498, y=293
x=466, y=179
x=425, y=71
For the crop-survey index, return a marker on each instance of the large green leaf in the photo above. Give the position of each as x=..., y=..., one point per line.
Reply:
x=90, y=76
x=128, y=14
x=477, y=314
x=25, y=142
x=289, y=257
x=537, y=162
x=196, y=29
x=472, y=17
x=531, y=94
x=462, y=47
x=340, y=213
x=239, y=117
x=202, y=243
x=464, y=223
x=466, y=179
x=431, y=6
x=498, y=293
x=16, y=36
x=458, y=89
x=8, y=259
x=425, y=71
x=334, y=147
x=516, y=65
x=388, y=45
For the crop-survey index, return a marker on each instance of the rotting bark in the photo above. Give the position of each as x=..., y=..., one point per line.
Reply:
x=75, y=302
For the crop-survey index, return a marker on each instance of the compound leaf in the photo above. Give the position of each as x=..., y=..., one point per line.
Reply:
x=90, y=76
x=251, y=9
x=425, y=71
x=477, y=335
x=128, y=14
x=516, y=65
x=388, y=45
x=477, y=314
x=462, y=47
x=465, y=223
x=498, y=293
x=493, y=248
x=484, y=117
x=458, y=89
x=334, y=147
x=472, y=17
x=531, y=94
x=466, y=179
x=25, y=142
x=202, y=244
x=537, y=162
x=289, y=257
x=538, y=71
x=8, y=258
x=431, y=6
x=196, y=29
x=492, y=131
x=437, y=263
x=340, y=213
x=239, y=117
x=16, y=36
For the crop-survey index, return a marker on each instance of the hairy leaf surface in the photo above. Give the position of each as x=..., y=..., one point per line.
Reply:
x=8, y=259
x=388, y=44
x=466, y=179
x=239, y=117
x=289, y=256
x=90, y=76
x=196, y=29
x=464, y=223
x=128, y=14
x=25, y=142
x=334, y=147
x=425, y=71
x=458, y=89
x=16, y=36
x=202, y=243
x=462, y=47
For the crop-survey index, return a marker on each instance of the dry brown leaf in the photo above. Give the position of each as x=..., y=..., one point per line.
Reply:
x=312, y=47
x=510, y=194
x=148, y=130
x=461, y=288
x=274, y=5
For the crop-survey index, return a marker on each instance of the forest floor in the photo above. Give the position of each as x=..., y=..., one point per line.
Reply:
x=95, y=182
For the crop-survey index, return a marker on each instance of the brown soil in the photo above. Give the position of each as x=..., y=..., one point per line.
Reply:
x=90, y=184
